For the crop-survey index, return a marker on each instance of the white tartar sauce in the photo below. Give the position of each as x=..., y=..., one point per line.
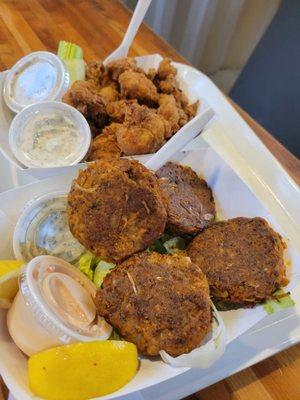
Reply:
x=50, y=140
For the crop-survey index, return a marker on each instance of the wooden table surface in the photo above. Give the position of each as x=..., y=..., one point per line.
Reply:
x=98, y=26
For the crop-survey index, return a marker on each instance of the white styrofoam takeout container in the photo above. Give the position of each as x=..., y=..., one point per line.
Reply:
x=273, y=193
x=6, y=116
x=233, y=198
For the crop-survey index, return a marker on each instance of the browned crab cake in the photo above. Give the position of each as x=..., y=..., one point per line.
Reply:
x=115, y=208
x=188, y=199
x=242, y=259
x=158, y=302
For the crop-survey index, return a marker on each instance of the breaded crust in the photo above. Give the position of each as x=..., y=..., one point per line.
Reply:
x=159, y=302
x=115, y=208
x=242, y=259
x=188, y=199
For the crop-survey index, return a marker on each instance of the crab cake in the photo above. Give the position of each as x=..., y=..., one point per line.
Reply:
x=158, y=302
x=188, y=200
x=115, y=208
x=242, y=259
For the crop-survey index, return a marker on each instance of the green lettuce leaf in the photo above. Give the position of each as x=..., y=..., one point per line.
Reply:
x=87, y=264
x=101, y=271
x=281, y=300
x=175, y=245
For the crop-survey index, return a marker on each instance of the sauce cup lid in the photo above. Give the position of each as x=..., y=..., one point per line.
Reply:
x=37, y=77
x=42, y=229
x=36, y=143
x=31, y=282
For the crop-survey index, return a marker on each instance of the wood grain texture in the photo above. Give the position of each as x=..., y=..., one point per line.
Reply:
x=98, y=26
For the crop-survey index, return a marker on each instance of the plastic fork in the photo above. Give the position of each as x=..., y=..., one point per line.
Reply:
x=136, y=20
x=180, y=139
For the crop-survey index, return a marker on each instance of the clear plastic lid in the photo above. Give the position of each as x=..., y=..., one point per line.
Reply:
x=49, y=134
x=60, y=297
x=43, y=229
x=34, y=78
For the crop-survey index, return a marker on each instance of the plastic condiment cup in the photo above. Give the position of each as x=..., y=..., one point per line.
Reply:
x=37, y=77
x=54, y=306
x=29, y=121
x=42, y=229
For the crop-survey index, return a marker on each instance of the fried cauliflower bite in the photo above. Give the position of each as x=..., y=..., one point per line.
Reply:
x=117, y=109
x=116, y=68
x=169, y=111
x=105, y=145
x=142, y=132
x=82, y=95
x=94, y=71
x=165, y=69
x=109, y=93
x=135, y=85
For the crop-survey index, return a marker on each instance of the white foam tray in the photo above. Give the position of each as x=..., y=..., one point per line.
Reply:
x=259, y=186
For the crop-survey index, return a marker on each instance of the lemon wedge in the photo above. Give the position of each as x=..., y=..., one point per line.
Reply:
x=82, y=371
x=9, y=273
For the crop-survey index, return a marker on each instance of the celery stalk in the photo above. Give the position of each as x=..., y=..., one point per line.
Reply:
x=72, y=56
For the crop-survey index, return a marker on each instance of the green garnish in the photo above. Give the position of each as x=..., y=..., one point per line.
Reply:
x=72, y=56
x=69, y=51
x=175, y=245
x=280, y=301
x=101, y=271
x=87, y=264
x=158, y=247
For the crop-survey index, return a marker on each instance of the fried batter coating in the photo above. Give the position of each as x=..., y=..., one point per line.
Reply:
x=94, y=71
x=117, y=109
x=109, y=93
x=158, y=302
x=142, y=132
x=165, y=69
x=105, y=145
x=115, y=208
x=116, y=68
x=169, y=110
x=242, y=259
x=82, y=95
x=188, y=199
x=135, y=85
x=168, y=85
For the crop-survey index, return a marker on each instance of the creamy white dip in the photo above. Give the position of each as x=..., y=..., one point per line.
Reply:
x=50, y=140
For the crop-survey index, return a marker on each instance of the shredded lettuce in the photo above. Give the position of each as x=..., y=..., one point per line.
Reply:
x=87, y=263
x=72, y=56
x=158, y=246
x=115, y=336
x=175, y=245
x=280, y=301
x=167, y=244
x=101, y=271
x=93, y=267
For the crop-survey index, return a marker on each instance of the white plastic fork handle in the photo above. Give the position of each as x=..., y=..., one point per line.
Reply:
x=136, y=20
x=179, y=140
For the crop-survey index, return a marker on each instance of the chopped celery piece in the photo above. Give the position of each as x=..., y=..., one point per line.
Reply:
x=282, y=301
x=76, y=69
x=101, y=271
x=69, y=51
x=72, y=56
